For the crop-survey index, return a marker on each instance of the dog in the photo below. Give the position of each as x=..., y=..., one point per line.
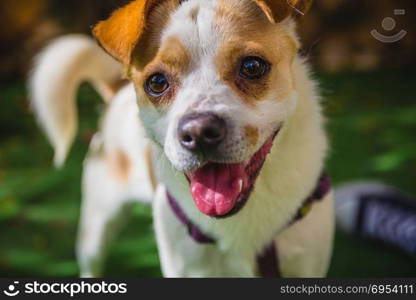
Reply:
x=219, y=127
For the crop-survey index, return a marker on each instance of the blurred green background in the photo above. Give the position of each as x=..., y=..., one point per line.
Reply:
x=371, y=111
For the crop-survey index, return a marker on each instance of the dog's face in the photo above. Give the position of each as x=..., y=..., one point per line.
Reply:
x=214, y=85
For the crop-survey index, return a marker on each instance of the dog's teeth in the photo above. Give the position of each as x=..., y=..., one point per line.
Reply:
x=240, y=185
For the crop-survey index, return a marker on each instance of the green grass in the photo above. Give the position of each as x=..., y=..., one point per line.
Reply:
x=372, y=124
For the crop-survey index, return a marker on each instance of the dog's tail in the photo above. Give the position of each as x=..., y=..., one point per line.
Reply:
x=59, y=70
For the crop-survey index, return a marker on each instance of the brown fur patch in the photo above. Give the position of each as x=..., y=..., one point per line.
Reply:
x=116, y=85
x=173, y=60
x=148, y=47
x=174, y=55
x=278, y=10
x=109, y=89
x=247, y=32
x=151, y=167
x=194, y=13
x=252, y=134
x=120, y=33
x=128, y=27
x=275, y=10
x=120, y=164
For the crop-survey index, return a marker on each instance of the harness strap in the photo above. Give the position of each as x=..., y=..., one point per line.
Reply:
x=193, y=229
x=267, y=261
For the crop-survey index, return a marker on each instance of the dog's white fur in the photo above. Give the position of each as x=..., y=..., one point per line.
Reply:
x=287, y=178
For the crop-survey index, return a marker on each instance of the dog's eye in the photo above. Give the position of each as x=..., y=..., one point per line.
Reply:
x=253, y=68
x=156, y=84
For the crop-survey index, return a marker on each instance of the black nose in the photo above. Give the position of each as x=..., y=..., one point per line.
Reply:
x=201, y=131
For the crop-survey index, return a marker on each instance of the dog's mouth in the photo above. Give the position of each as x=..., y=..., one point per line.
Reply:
x=221, y=190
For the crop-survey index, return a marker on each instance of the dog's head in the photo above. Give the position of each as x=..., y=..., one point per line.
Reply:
x=214, y=83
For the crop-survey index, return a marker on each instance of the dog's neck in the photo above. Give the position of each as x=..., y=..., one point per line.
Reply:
x=288, y=176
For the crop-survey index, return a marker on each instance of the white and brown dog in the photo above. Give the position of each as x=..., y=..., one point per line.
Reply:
x=220, y=127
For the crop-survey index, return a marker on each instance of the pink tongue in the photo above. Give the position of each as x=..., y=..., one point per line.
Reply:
x=216, y=187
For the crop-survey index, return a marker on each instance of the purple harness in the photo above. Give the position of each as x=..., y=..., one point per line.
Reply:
x=267, y=261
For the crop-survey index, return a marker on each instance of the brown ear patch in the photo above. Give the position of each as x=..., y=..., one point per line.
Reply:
x=149, y=44
x=278, y=10
x=122, y=32
x=275, y=10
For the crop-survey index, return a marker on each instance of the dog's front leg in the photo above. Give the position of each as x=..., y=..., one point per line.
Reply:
x=305, y=248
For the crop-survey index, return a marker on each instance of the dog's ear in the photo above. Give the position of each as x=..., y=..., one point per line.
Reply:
x=120, y=34
x=277, y=10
